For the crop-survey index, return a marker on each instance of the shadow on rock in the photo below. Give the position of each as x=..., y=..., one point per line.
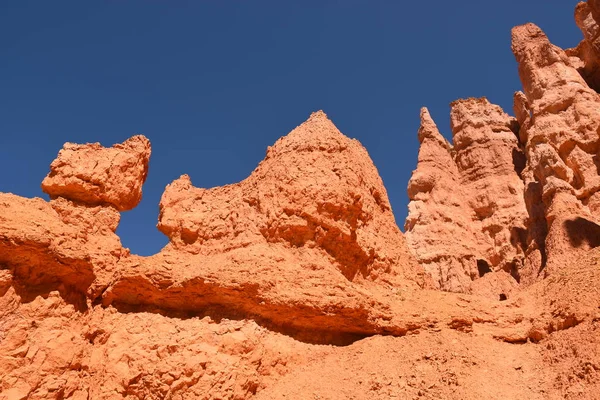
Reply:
x=581, y=230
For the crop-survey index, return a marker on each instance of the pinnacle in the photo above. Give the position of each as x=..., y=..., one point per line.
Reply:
x=317, y=128
x=429, y=130
x=320, y=114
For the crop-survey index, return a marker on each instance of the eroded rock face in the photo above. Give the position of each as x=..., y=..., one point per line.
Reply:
x=438, y=214
x=259, y=275
x=304, y=251
x=472, y=191
x=95, y=175
x=562, y=143
x=586, y=56
x=313, y=218
x=69, y=244
x=316, y=190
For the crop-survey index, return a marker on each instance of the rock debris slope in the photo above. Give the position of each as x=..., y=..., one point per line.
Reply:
x=297, y=282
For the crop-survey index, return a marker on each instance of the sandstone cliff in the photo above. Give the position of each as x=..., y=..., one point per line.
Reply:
x=297, y=283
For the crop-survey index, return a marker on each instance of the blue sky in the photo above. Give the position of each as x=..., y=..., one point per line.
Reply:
x=213, y=83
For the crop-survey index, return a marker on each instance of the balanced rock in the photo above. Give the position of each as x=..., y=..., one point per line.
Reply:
x=95, y=175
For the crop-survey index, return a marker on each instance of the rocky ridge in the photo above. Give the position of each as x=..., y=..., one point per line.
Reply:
x=297, y=282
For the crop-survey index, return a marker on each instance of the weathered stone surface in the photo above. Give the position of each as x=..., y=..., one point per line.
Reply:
x=304, y=252
x=586, y=56
x=490, y=160
x=306, y=247
x=95, y=175
x=438, y=214
x=562, y=144
x=316, y=190
x=59, y=246
x=38, y=250
x=470, y=191
x=313, y=218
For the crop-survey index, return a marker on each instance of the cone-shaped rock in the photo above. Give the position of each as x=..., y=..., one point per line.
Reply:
x=312, y=225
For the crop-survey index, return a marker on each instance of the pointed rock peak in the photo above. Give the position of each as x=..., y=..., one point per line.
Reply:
x=319, y=122
x=427, y=123
x=316, y=133
x=429, y=130
x=318, y=115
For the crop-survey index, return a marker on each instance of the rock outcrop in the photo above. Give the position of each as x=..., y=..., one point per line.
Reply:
x=586, y=56
x=313, y=218
x=561, y=140
x=296, y=282
x=316, y=190
x=471, y=190
x=95, y=175
x=306, y=247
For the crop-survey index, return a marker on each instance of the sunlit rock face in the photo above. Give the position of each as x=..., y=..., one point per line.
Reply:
x=297, y=283
x=561, y=141
x=467, y=214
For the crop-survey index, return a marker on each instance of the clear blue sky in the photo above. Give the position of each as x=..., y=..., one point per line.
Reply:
x=213, y=83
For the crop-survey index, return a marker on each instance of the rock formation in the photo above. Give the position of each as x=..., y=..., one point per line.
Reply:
x=93, y=175
x=471, y=190
x=561, y=140
x=297, y=283
x=586, y=56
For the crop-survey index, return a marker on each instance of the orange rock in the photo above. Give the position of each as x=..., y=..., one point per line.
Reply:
x=96, y=175
x=309, y=226
x=471, y=190
x=586, y=56
x=438, y=214
x=562, y=144
x=316, y=190
x=297, y=283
